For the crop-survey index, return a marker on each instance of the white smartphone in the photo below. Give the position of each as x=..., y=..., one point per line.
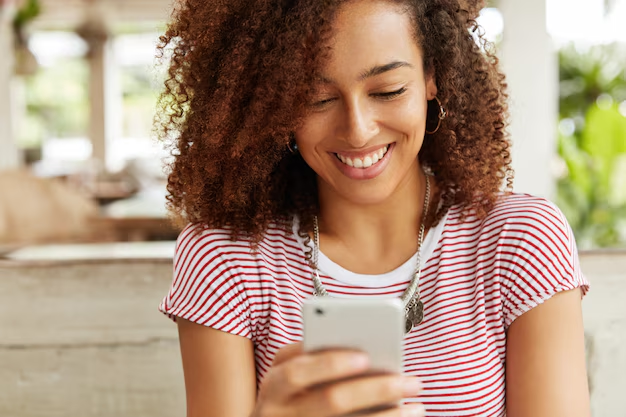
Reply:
x=374, y=326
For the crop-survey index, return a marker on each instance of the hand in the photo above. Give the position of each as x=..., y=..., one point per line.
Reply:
x=315, y=385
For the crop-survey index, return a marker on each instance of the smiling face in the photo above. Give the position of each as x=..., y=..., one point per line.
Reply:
x=366, y=123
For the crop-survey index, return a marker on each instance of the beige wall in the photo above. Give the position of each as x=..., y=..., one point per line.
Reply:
x=604, y=311
x=85, y=339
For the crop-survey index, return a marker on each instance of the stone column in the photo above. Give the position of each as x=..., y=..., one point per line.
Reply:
x=95, y=32
x=9, y=155
x=529, y=61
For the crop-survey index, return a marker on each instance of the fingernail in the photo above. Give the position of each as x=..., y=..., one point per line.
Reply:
x=414, y=410
x=411, y=386
x=360, y=361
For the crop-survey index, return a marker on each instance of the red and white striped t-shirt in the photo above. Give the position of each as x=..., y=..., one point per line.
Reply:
x=478, y=277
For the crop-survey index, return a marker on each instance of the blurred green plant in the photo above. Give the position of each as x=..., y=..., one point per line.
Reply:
x=592, y=143
x=57, y=103
x=28, y=12
x=140, y=96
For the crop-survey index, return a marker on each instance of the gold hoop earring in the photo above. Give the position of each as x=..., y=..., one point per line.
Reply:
x=442, y=115
x=293, y=149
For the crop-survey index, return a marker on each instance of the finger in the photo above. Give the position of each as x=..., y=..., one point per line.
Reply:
x=358, y=394
x=287, y=352
x=308, y=370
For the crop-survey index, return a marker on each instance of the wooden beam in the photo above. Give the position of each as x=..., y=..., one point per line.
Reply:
x=70, y=13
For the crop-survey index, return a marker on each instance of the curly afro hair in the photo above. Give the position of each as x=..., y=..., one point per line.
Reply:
x=240, y=76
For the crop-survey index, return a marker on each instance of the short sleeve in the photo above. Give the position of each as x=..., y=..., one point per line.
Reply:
x=537, y=256
x=208, y=286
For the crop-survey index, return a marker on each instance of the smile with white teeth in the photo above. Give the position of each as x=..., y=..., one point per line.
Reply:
x=366, y=161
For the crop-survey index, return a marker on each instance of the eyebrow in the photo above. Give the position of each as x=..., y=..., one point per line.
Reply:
x=374, y=71
x=380, y=69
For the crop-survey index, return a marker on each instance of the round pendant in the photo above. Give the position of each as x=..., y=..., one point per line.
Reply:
x=408, y=326
x=415, y=316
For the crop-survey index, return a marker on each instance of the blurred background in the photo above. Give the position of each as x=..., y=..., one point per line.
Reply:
x=85, y=243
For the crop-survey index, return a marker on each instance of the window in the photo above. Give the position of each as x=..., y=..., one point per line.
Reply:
x=55, y=123
x=55, y=100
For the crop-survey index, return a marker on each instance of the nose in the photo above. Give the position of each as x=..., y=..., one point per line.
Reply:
x=359, y=125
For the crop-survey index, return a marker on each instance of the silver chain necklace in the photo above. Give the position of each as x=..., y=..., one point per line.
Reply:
x=413, y=305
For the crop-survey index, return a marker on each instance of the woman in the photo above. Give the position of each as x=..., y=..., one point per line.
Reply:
x=321, y=137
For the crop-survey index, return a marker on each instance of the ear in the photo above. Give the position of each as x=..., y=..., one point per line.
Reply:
x=431, y=85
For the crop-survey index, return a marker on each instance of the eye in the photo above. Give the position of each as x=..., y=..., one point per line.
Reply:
x=320, y=104
x=388, y=95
